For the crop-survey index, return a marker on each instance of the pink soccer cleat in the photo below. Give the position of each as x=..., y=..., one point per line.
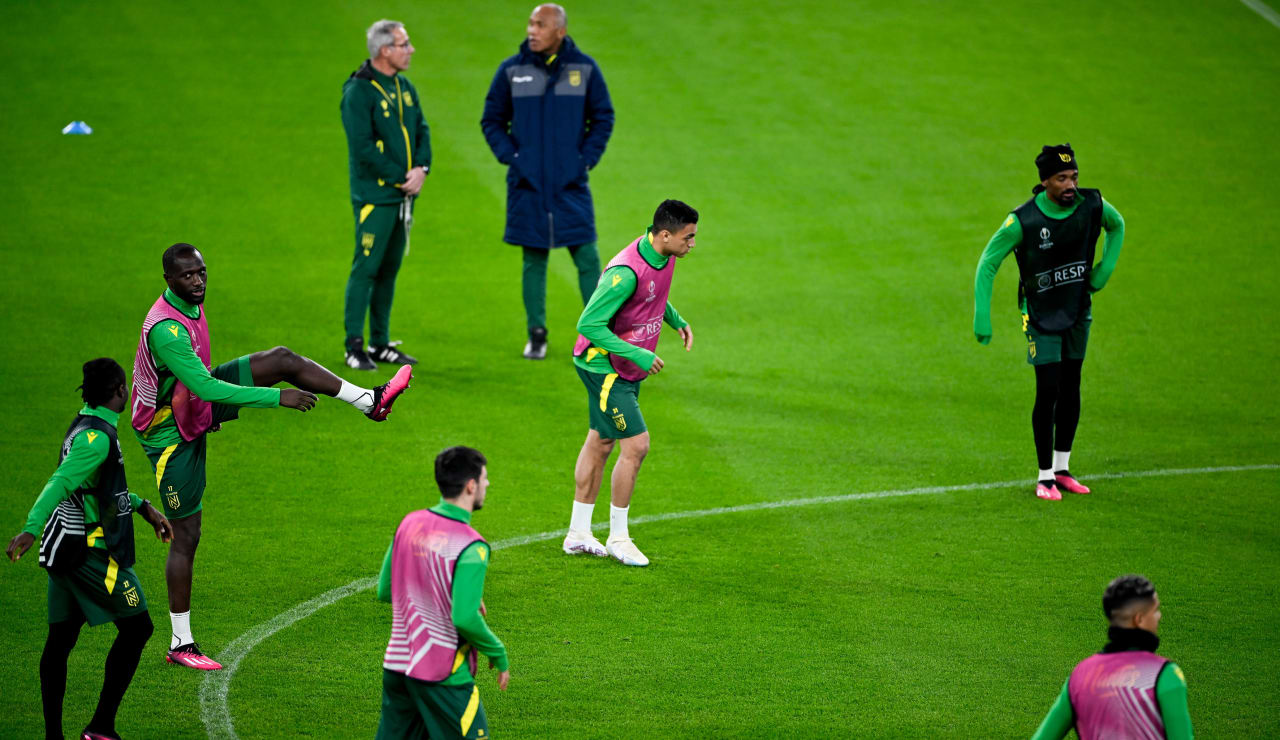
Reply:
x=387, y=393
x=91, y=735
x=189, y=655
x=1067, y=481
x=1049, y=492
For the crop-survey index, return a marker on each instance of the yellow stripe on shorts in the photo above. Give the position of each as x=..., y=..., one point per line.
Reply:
x=368, y=208
x=93, y=536
x=604, y=390
x=112, y=568
x=473, y=706
x=160, y=466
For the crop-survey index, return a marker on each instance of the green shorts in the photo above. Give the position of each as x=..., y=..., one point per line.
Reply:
x=421, y=709
x=179, y=468
x=613, y=404
x=99, y=591
x=1044, y=348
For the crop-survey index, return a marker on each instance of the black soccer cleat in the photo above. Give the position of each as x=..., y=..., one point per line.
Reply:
x=356, y=358
x=391, y=355
x=536, y=348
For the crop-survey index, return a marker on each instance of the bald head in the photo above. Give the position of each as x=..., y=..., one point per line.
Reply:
x=546, y=30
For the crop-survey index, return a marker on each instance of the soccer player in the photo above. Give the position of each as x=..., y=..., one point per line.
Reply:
x=1125, y=691
x=619, y=332
x=1053, y=236
x=179, y=397
x=84, y=517
x=433, y=575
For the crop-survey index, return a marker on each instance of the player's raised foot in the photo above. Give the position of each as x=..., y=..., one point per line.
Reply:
x=390, y=354
x=189, y=655
x=626, y=552
x=583, y=543
x=1046, y=490
x=536, y=347
x=1068, y=481
x=387, y=393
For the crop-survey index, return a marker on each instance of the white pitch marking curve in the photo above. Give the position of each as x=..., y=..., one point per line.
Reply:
x=216, y=715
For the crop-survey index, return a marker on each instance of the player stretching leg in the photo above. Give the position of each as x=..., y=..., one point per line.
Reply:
x=619, y=332
x=1053, y=237
x=179, y=397
x=85, y=519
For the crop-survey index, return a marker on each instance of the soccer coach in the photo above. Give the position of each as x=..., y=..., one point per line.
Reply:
x=548, y=117
x=389, y=153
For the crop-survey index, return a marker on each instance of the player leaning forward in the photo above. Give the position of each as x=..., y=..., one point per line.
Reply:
x=1053, y=236
x=618, y=333
x=433, y=575
x=84, y=517
x=179, y=397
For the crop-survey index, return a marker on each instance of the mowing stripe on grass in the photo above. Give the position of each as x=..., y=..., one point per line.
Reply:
x=216, y=715
x=1263, y=10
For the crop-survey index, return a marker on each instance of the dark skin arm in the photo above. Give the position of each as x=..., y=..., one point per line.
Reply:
x=19, y=545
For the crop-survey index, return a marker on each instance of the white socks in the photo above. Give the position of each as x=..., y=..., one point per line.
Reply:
x=1060, y=459
x=580, y=520
x=618, y=523
x=1045, y=475
x=361, y=398
x=181, y=630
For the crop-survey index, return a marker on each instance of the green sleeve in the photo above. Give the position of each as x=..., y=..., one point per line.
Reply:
x=87, y=452
x=1000, y=246
x=421, y=135
x=1171, y=690
x=468, y=588
x=357, y=121
x=673, y=317
x=174, y=350
x=1060, y=720
x=615, y=287
x=1113, y=223
x=136, y=500
x=384, y=577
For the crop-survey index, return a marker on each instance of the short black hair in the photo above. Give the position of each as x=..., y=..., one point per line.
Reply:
x=455, y=466
x=170, y=259
x=672, y=215
x=1124, y=591
x=101, y=379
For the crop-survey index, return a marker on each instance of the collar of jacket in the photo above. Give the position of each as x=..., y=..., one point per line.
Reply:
x=367, y=72
x=568, y=49
x=1126, y=638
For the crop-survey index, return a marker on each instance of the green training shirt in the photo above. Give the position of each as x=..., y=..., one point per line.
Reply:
x=79, y=469
x=176, y=360
x=1009, y=235
x=616, y=285
x=468, y=589
x=1171, y=691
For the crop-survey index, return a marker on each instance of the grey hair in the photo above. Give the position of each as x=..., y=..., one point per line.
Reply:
x=562, y=19
x=382, y=34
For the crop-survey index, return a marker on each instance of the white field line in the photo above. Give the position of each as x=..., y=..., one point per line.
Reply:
x=216, y=715
x=1263, y=10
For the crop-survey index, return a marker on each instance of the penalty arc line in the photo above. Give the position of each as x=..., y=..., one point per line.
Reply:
x=216, y=715
x=1263, y=10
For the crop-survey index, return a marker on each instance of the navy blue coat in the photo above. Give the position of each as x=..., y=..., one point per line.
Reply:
x=549, y=124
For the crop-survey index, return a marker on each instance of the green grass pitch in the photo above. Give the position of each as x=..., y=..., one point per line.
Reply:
x=850, y=162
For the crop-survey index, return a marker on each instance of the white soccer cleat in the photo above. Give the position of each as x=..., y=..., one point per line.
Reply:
x=579, y=543
x=626, y=552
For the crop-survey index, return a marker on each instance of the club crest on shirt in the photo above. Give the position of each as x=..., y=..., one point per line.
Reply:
x=408, y=99
x=575, y=78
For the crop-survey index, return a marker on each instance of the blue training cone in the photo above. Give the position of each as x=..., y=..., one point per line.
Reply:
x=77, y=127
